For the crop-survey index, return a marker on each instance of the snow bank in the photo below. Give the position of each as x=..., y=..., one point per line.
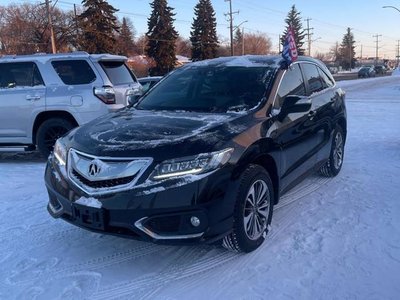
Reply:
x=396, y=72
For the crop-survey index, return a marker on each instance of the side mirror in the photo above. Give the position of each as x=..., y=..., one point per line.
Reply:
x=294, y=104
x=133, y=96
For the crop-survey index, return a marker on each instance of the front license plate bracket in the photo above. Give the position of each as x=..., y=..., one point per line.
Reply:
x=88, y=216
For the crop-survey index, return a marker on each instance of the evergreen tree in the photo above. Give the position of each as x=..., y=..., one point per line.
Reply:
x=99, y=26
x=204, y=33
x=347, y=50
x=238, y=41
x=126, y=45
x=161, y=36
x=293, y=19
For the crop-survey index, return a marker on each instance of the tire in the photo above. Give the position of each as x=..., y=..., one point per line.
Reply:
x=243, y=238
x=334, y=164
x=49, y=131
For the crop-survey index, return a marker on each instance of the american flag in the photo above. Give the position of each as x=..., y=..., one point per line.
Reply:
x=289, y=52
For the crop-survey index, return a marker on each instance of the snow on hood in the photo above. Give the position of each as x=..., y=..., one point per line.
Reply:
x=137, y=129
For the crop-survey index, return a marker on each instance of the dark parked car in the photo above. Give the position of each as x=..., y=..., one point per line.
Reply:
x=148, y=82
x=380, y=69
x=203, y=156
x=366, y=72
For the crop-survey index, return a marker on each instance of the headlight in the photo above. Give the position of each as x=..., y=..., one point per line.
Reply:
x=60, y=153
x=192, y=165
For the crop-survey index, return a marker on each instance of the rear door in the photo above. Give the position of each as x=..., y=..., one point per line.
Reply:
x=121, y=77
x=22, y=97
x=320, y=90
x=294, y=133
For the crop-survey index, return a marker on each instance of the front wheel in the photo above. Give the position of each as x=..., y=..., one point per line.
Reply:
x=253, y=211
x=49, y=131
x=334, y=164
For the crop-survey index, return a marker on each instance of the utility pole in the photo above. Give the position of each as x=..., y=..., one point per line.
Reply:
x=53, y=41
x=76, y=22
x=243, y=40
x=398, y=52
x=377, y=43
x=309, y=35
x=230, y=16
x=361, y=53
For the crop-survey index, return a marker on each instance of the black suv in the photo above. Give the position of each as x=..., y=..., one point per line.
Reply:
x=205, y=155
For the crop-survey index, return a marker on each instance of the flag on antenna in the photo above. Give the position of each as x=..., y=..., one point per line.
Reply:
x=289, y=52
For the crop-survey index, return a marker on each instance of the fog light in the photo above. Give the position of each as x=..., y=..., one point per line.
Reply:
x=195, y=221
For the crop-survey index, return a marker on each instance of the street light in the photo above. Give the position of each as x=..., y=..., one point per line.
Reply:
x=237, y=27
x=398, y=46
x=389, y=6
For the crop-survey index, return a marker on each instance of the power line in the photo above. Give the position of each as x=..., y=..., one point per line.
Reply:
x=230, y=19
x=309, y=35
x=377, y=47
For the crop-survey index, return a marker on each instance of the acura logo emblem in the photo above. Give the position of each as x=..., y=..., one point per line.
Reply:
x=94, y=169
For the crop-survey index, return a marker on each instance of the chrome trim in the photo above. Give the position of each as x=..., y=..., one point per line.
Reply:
x=55, y=211
x=132, y=171
x=139, y=225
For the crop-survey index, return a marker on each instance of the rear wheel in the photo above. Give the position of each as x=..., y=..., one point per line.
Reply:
x=49, y=131
x=253, y=211
x=334, y=164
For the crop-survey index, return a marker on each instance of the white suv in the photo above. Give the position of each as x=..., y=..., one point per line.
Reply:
x=43, y=96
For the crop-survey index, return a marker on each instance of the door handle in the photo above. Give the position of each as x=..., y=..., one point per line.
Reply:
x=33, y=97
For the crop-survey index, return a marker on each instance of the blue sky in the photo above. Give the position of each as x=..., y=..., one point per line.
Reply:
x=329, y=19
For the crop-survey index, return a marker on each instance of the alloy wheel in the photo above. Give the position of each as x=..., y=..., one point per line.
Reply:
x=256, y=209
x=338, y=151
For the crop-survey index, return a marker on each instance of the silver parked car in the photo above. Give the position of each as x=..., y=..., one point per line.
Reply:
x=43, y=96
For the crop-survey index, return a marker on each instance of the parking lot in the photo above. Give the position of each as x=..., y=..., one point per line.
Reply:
x=331, y=238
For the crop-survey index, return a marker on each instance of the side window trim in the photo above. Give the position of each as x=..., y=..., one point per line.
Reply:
x=64, y=78
x=34, y=77
x=308, y=89
x=36, y=73
x=331, y=83
x=283, y=76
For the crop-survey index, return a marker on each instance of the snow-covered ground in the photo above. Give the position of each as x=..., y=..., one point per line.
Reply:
x=331, y=238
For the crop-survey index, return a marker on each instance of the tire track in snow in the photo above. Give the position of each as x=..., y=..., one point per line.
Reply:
x=90, y=265
x=183, y=271
x=176, y=271
x=308, y=187
x=280, y=221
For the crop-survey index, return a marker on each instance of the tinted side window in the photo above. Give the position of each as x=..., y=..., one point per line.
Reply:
x=117, y=72
x=311, y=75
x=326, y=80
x=74, y=71
x=291, y=84
x=23, y=74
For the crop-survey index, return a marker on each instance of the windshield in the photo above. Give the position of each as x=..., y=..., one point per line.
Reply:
x=209, y=89
x=117, y=72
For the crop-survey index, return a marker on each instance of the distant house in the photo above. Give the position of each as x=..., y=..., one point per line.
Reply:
x=182, y=60
x=140, y=64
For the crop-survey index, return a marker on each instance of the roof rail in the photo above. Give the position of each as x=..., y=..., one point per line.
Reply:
x=8, y=56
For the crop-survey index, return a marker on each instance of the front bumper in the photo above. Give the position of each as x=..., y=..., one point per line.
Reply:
x=161, y=216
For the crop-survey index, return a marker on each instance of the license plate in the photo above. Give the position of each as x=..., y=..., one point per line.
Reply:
x=88, y=216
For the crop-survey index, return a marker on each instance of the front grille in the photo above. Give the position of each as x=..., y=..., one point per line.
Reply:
x=102, y=183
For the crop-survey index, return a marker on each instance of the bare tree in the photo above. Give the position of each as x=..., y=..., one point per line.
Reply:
x=141, y=44
x=256, y=43
x=183, y=47
x=24, y=29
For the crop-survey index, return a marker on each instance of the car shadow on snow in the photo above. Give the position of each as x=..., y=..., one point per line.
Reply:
x=8, y=156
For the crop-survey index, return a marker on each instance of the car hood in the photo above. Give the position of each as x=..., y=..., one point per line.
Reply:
x=161, y=134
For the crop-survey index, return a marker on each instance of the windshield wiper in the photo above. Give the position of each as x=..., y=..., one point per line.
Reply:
x=237, y=108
